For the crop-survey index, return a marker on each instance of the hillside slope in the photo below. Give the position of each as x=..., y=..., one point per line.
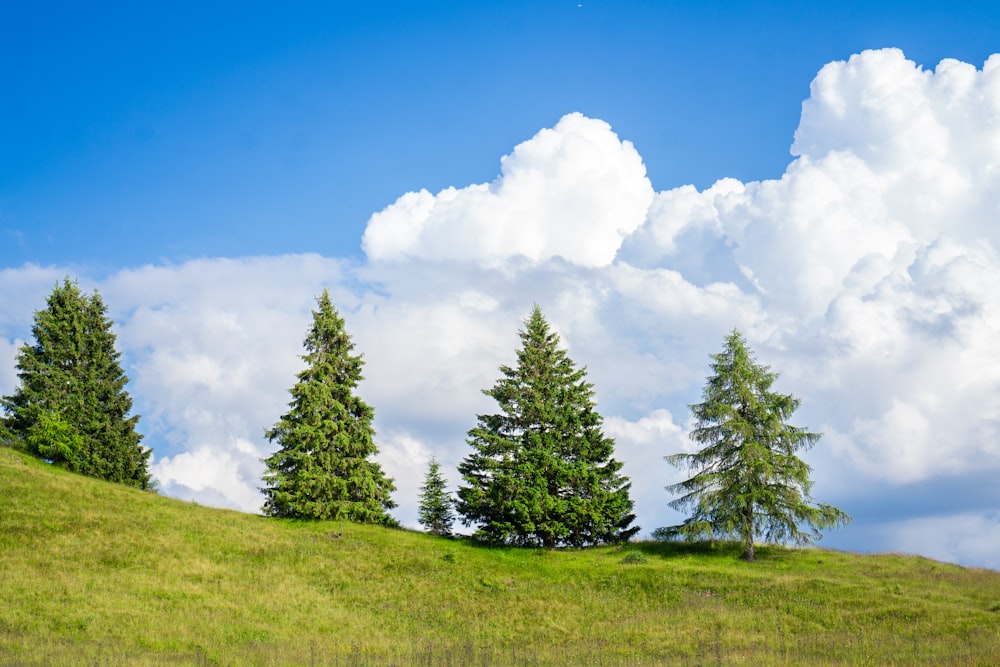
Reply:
x=95, y=573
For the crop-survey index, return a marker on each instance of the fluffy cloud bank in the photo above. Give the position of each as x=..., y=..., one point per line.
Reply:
x=865, y=274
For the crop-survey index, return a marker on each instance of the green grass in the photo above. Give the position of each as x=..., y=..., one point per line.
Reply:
x=98, y=574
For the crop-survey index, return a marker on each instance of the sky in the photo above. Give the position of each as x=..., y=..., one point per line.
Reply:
x=823, y=177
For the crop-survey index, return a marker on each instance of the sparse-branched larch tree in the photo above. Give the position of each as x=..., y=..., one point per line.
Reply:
x=748, y=483
x=541, y=472
x=71, y=407
x=322, y=469
x=435, y=506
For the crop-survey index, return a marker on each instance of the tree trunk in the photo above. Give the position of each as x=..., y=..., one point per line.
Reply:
x=748, y=554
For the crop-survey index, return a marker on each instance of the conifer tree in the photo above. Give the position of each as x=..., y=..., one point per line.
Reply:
x=435, y=506
x=749, y=482
x=541, y=472
x=71, y=406
x=322, y=468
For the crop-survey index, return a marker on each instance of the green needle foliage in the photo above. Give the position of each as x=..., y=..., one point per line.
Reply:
x=71, y=407
x=541, y=473
x=7, y=438
x=322, y=469
x=434, y=511
x=749, y=481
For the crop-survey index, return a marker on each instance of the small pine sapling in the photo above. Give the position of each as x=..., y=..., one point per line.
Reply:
x=435, y=510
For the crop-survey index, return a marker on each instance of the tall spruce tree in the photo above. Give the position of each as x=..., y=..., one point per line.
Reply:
x=749, y=482
x=541, y=473
x=322, y=468
x=71, y=406
x=434, y=510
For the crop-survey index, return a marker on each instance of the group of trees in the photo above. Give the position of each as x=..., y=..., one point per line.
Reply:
x=541, y=471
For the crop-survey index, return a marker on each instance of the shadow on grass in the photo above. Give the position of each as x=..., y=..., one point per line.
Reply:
x=662, y=549
x=725, y=549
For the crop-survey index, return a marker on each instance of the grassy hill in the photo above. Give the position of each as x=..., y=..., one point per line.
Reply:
x=93, y=573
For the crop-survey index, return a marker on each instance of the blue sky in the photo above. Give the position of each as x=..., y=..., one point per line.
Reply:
x=652, y=174
x=167, y=131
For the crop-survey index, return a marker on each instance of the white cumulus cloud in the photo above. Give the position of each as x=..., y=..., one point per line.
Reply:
x=572, y=191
